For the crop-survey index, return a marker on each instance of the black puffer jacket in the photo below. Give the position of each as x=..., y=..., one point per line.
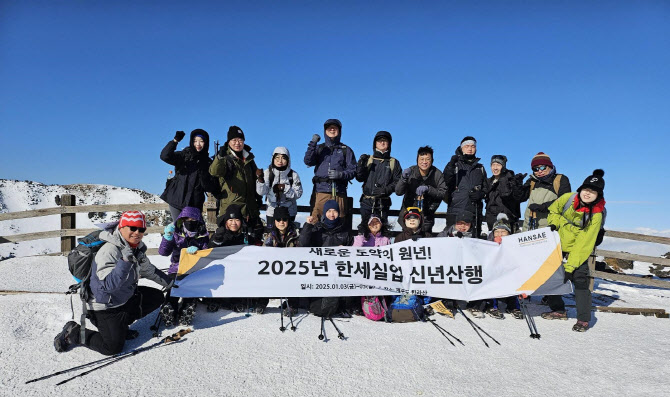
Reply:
x=378, y=178
x=432, y=198
x=192, y=179
x=504, y=196
x=319, y=236
x=463, y=175
x=224, y=238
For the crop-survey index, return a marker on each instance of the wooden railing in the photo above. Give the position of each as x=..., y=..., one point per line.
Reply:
x=68, y=231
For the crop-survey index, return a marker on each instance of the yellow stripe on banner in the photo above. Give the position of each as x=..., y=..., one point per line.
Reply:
x=545, y=271
x=187, y=261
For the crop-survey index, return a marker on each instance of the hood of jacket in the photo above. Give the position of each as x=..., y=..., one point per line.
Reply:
x=465, y=159
x=388, y=137
x=205, y=137
x=281, y=150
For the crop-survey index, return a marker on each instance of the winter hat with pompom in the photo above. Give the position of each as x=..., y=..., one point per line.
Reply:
x=502, y=222
x=595, y=182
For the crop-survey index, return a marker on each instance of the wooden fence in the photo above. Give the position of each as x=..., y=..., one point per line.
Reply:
x=68, y=231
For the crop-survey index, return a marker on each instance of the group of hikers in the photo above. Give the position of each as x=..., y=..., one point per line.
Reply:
x=239, y=186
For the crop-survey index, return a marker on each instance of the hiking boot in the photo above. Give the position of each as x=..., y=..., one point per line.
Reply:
x=187, y=313
x=476, y=313
x=557, y=315
x=167, y=314
x=239, y=307
x=132, y=334
x=495, y=313
x=581, y=326
x=516, y=313
x=68, y=337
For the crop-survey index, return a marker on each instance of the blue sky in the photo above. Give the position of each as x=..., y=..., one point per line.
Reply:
x=93, y=90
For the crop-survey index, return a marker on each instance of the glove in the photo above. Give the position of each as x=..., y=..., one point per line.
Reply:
x=568, y=276
x=334, y=174
x=553, y=228
x=421, y=190
x=259, y=176
x=364, y=158
x=222, y=151
x=278, y=188
x=476, y=195
x=459, y=234
x=316, y=138
x=192, y=249
x=536, y=208
x=179, y=135
x=127, y=253
x=168, y=232
x=520, y=177
x=406, y=173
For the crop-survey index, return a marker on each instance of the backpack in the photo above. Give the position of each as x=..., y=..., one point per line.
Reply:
x=374, y=307
x=79, y=262
x=392, y=162
x=601, y=232
x=325, y=307
x=405, y=308
x=556, y=183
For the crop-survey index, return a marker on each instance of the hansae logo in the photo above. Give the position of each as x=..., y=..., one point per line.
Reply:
x=532, y=239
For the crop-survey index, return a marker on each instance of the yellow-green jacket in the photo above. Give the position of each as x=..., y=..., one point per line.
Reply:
x=578, y=242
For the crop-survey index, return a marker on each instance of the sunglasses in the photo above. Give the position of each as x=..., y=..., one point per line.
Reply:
x=540, y=168
x=137, y=229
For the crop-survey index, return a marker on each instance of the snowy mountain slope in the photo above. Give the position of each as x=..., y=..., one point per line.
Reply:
x=27, y=195
x=229, y=354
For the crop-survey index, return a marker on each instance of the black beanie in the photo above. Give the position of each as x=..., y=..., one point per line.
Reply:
x=335, y=122
x=595, y=182
x=468, y=138
x=232, y=212
x=235, y=132
x=465, y=216
x=500, y=159
x=281, y=213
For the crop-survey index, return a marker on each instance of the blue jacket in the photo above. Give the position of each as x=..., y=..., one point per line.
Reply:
x=330, y=155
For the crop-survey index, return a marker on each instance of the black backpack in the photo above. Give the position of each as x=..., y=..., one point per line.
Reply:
x=325, y=307
x=79, y=262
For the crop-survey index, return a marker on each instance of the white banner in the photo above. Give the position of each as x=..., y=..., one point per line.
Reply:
x=454, y=268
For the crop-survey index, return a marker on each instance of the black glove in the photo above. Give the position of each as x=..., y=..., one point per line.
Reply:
x=476, y=195
x=259, y=176
x=459, y=234
x=406, y=173
x=222, y=151
x=364, y=159
x=518, y=178
x=179, y=135
x=278, y=188
x=334, y=174
x=537, y=208
x=568, y=277
x=316, y=138
x=553, y=228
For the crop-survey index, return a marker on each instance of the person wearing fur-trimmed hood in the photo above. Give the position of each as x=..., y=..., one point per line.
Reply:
x=280, y=184
x=578, y=218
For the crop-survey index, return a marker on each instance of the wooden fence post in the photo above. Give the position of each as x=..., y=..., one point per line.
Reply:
x=210, y=207
x=67, y=221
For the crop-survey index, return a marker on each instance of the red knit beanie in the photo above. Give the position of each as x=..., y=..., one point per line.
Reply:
x=132, y=218
x=541, y=159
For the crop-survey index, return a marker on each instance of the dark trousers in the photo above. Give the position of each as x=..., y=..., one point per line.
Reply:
x=113, y=323
x=380, y=209
x=581, y=281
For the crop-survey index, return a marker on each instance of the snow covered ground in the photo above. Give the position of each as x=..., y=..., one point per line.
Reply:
x=232, y=355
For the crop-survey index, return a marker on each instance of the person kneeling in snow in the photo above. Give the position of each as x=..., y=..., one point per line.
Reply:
x=578, y=218
x=116, y=300
x=188, y=231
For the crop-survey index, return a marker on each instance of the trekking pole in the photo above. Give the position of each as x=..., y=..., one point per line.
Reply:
x=323, y=329
x=439, y=327
x=473, y=326
x=440, y=330
x=481, y=329
x=420, y=202
x=529, y=320
x=281, y=309
x=108, y=360
x=290, y=315
x=339, y=333
x=157, y=323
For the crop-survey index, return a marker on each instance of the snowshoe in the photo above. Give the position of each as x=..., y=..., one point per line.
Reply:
x=581, y=326
x=260, y=305
x=476, y=313
x=516, y=313
x=213, y=307
x=495, y=313
x=239, y=307
x=187, y=313
x=68, y=337
x=167, y=313
x=557, y=315
x=132, y=334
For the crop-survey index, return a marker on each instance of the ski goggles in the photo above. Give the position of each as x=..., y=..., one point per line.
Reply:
x=540, y=168
x=137, y=229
